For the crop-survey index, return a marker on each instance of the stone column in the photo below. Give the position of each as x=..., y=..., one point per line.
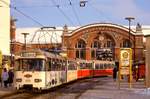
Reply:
x=88, y=53
x=147, y=61
x=71, y=53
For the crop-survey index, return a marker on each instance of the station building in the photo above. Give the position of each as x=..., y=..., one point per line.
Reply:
x=97, y=41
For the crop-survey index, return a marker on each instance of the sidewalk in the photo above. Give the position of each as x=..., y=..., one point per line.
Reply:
x=110, y=90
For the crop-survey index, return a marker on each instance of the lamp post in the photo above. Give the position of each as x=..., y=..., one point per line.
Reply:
x=25, y=36
x=129, y=19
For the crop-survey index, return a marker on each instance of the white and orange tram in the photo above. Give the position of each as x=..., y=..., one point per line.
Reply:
x=40, y=70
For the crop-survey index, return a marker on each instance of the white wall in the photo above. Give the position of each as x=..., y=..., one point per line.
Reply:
x=5, y=28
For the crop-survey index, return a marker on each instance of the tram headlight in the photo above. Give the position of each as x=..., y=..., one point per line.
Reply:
x=18, y=80
x=37, y=80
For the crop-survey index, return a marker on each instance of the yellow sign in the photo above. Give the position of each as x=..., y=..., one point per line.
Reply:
x=125, y=64
x=125, y=60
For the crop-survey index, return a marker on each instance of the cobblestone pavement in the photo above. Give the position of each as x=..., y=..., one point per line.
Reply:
x=95, y=88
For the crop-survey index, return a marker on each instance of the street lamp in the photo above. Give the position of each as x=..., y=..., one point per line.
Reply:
x=83, y=3
x=25, y=36
x=129, y=19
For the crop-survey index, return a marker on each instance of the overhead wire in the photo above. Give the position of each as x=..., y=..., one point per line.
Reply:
x=55, y=5
x=43, y=6
x=58, y=7
x=27, y=16
x=73, y=9
x=98, y=10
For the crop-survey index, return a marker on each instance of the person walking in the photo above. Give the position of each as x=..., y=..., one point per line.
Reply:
x=115, y=73
x=11, y=77
x=1, y=69
x=5, y=77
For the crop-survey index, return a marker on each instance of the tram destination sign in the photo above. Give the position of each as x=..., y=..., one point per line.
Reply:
x=28, y=54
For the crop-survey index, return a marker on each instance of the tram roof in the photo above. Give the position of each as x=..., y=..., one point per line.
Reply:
x=42, y=52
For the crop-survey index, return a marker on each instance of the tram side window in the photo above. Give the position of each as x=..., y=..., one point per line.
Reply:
x=96, y=66
x=101, y=66
x=113, y=65
x=89, y=65
x=82, y=66
x=105, y=66
x=60, y=65
x=54, y=64
x=71, y=66
x=63, y=65
x=18, y=65
x=108, y=66
x=49, y=65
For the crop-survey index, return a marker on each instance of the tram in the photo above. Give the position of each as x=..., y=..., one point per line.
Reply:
x=103, y=68
x=40, y=70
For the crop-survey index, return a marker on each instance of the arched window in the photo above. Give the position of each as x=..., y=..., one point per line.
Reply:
x=102, y=49
x=80, y=49
x=96, y=44
x=126, y=43
x=110, y=43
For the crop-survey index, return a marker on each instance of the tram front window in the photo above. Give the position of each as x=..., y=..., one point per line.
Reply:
x=30, y=64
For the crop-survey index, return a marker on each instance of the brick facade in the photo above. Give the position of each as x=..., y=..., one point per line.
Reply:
x=116, y=33
x=102, y=33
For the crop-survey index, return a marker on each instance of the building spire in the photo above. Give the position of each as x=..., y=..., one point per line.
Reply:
x=138, y=28
x=65, y=31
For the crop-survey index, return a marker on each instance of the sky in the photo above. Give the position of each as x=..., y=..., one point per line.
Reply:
x=38, y=13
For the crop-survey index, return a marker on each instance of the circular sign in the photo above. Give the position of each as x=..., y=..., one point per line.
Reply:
x=101, y=38
x=125, y=55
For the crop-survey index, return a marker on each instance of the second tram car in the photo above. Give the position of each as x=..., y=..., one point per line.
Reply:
x=103, y=68
x=85, y=69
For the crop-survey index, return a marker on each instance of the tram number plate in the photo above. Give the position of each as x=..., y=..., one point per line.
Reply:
x=28, y=80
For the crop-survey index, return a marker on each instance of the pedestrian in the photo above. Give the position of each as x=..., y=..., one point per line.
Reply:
x=1, y=69
x=11, y=77
x=115, y=73
x=5, y=77
x=5, y=65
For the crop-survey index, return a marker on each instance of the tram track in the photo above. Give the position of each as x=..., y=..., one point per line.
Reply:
x=19, y=95
x=76, y=89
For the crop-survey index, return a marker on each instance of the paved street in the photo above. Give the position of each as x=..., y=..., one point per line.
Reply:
x=94, y=88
